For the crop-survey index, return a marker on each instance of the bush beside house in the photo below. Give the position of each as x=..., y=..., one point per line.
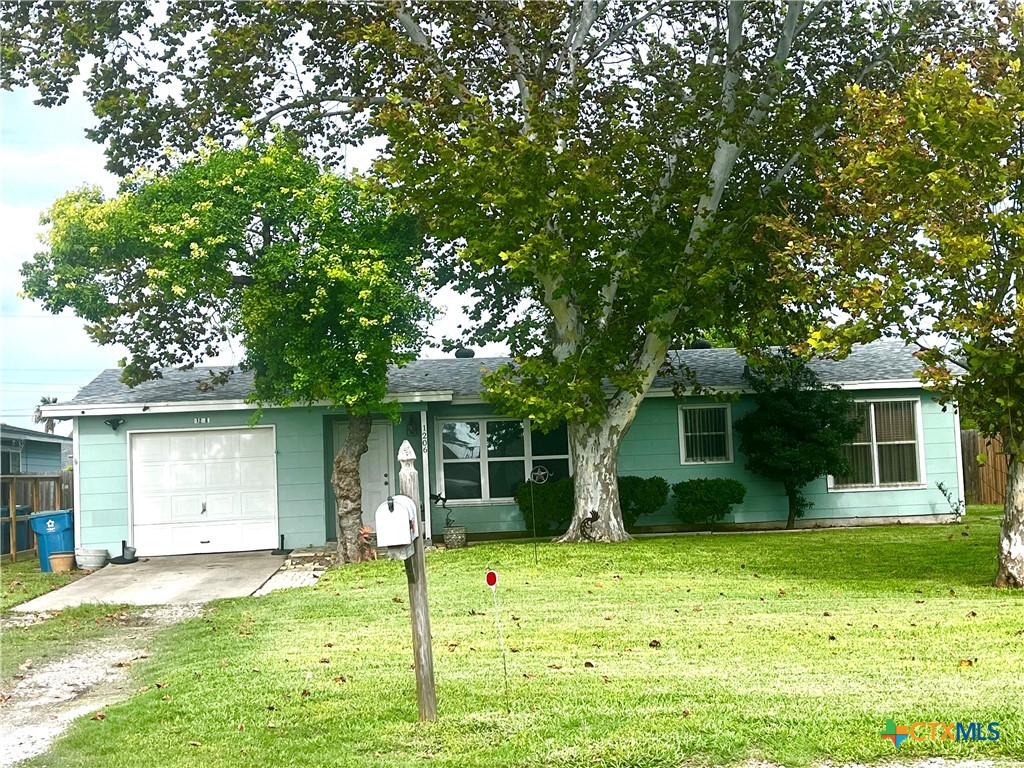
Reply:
x=707, y=500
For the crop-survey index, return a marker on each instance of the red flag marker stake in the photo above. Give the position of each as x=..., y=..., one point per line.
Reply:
x=492, y=581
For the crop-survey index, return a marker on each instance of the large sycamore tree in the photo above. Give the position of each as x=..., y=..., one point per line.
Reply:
x=591, y=172
x=922, y=238
x=318, y=281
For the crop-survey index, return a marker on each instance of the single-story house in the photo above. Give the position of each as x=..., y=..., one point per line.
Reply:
x=178, y=468
x=27, y=451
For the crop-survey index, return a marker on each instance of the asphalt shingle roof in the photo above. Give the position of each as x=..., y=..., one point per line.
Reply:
x=719, y=368
x=20, y=433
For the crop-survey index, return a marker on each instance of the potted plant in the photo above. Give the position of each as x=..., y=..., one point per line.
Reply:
x=454, y=535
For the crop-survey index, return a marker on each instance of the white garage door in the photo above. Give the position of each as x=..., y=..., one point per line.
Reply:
x=203, y=491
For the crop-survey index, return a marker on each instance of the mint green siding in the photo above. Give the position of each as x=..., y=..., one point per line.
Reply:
x=102, y=471
x=652, y=448
x=305, y=449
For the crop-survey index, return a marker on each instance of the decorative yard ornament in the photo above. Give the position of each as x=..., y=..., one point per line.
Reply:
x=539, y=475
x=491, y=579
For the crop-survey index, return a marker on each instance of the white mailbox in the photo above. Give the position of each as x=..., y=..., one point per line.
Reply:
x=396, y=524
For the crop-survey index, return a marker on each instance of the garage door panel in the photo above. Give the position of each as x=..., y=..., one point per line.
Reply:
x=185, y=476
x=152, y=510
x=223, y=506
x=184, y=447
x=232, y=472
x=186, y=508
x=153, y=447
x=257, y=504
x=257, y=473
x=222, y=474
x=221, y=445
x=151, y=475
x=257, y=444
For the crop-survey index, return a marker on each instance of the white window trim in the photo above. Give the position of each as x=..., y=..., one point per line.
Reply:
x=11, y=453
x=728, y=434
x=921, y=484
x=485, y=483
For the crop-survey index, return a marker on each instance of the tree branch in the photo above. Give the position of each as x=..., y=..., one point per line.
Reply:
x=419, y=39
x=614, y=35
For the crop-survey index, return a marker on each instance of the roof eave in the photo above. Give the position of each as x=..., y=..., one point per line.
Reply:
x=71, y=410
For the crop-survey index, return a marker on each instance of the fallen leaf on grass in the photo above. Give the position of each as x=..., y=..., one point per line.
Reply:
x=328, y=645
x=143, y=689
x=165, y=697
x=341, y=679
x=123, y=664
x=397, y=600
x=325, y=660
x=528, y=675
x=14, y=584
x=26, y=664
x=966, y=663
x=99, y=716
x=271, y=725
x=971, y=614
x=241, y=726
x=655, y=644
x=305, y=692
x=195, y=743
x=554, y=666
x=606, y=678
x=686, y=713
x=588, y=664
x=161, y=684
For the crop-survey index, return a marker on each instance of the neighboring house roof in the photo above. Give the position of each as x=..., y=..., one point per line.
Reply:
x=877, y=365
x=8, y=432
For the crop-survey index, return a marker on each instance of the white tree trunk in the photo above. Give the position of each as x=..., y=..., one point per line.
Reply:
x=597, y=515
x=1011, y=535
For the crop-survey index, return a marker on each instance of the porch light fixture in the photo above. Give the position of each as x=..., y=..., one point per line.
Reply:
x=114, y=423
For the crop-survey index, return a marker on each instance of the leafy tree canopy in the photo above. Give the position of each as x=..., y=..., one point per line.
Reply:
x=921, y=237
x=315, y=277
x=592, y=172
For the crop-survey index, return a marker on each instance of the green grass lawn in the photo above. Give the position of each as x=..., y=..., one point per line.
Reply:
x=22, y=581
x=46, y=640
x=788, y=647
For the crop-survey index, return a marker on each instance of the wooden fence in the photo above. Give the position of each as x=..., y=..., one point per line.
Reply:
x=985, y=482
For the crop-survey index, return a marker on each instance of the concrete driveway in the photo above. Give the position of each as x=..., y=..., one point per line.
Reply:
x=165, y=581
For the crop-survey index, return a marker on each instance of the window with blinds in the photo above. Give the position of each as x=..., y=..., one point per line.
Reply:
x=705, y=434
x=886, y=452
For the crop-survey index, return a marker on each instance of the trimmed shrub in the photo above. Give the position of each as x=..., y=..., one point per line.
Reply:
x=550, y=501
x=553, y=501
x=705, y=500
x=640, y=496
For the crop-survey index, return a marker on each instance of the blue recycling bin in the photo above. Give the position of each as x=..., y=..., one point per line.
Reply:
x=20, y=525
x=55, y=532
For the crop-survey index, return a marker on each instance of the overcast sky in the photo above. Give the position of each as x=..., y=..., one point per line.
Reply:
x=43, y=154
